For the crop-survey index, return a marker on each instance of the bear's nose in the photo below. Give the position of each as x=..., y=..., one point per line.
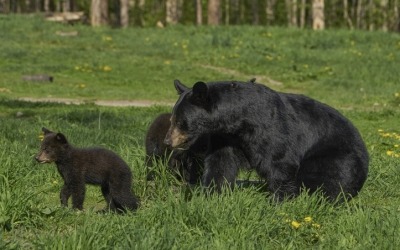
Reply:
x=167, y=141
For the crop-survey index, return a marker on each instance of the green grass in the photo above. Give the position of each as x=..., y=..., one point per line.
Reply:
x=356, y=72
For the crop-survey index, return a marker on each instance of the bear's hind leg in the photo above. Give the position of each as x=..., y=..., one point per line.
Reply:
x=122, y=196
x=105, y=190
x=333, y=174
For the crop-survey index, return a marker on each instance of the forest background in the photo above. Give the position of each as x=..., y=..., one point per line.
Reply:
x=318, y=14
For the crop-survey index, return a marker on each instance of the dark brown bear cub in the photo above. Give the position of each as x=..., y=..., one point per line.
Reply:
x=97, y=166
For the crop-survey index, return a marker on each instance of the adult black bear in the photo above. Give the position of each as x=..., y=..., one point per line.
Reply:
x=187, y=164
x=98, y=166
x=290, y=140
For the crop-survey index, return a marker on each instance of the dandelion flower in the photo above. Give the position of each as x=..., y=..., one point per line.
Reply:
x=41, y=137
x=389, y=152
x=396, y=94
x=295, y=224
x=107, y=68
x=308, y=219
x=316, y=225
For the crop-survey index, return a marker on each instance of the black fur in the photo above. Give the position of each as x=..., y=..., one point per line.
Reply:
x=97, y=166
x=290, y=140
x=187, y=164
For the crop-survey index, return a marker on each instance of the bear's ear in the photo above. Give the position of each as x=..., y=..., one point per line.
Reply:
x=200, y=96
x=200, y=90
x=46, y=131
x=252, y=80
x=61, y=138
x=180, y=87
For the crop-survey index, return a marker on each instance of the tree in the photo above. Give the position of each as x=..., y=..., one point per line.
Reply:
x=124, y=13
x=174, y=11
x=291, y=12
x=199, y=12
x=269, y=11
x=318, y=14
x=99, y=13
x=214, y=12
x=302, y=13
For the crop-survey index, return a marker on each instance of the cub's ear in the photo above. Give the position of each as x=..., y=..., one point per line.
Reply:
x=46, y=131
x=180, y=87
x=61, y=138
x=200, y=94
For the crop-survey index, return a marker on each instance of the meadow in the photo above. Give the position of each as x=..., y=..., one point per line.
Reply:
x=356, y=72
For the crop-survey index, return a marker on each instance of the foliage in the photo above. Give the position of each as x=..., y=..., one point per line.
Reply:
x=355, y=72
x=366, y=15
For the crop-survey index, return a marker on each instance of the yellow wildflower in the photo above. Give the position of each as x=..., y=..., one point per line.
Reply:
x=389, y=152
x=396, y=94
x=107, y=68
x=308, y=219
x=316, y=225
x=295, y=224
x=41, y=137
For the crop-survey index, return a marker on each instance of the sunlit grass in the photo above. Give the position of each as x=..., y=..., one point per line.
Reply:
x=355, y=72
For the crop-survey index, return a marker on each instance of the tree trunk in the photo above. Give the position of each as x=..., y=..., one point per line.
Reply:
x=384, y=9
x=99, y=13
x=124, y=13
x=174, y=10
x=303, y=14
x=294, y=13
x=227, y=16
x=199, y=12
x=5, y=6
x=346, y=14
x=254, y=10
x=318, y=14
x=358, y=14
x=46, y=6
x=214, y=12
x=396, y=17
x=269, y=11
x=66, y=6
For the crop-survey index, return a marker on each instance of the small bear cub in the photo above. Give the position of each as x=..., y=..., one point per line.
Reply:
x=97, y=166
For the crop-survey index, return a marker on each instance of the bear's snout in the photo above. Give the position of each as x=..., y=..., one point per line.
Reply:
x=167, y=140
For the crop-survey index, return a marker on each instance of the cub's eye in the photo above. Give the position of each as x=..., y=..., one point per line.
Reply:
x=179, y=124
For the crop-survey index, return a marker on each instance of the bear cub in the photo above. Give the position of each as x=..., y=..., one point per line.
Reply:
x=80, y=166
x=187, y=164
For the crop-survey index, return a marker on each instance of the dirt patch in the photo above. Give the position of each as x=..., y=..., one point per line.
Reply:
x=108, y=103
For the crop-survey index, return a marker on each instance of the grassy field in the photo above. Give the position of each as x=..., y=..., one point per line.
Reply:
x=356, y=72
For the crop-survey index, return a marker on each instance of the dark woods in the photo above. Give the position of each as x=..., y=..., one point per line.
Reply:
x=316, y=14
